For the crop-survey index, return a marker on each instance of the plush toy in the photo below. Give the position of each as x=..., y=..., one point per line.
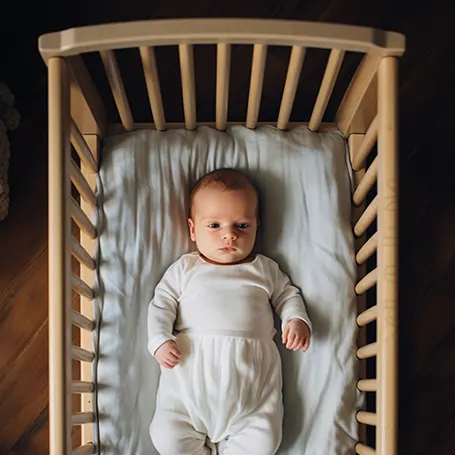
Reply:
x=9, y=121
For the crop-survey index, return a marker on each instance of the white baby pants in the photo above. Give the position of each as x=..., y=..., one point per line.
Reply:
x=227, y=389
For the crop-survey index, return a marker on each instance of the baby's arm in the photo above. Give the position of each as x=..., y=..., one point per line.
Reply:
x=290, y=307
x=162, y=313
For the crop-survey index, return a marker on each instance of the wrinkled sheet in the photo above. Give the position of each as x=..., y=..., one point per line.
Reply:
x=305, y=184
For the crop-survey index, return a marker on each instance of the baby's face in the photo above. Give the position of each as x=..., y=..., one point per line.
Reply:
x=224, y=224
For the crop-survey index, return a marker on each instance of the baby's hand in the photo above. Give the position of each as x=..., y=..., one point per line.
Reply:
x=296, y=335
x=168, y=354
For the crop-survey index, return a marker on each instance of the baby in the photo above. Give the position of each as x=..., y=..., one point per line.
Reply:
x=221, y=375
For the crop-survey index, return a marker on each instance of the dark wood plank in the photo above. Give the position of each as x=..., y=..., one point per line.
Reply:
x=23, y=390
x=23, y=311
x=35, y=440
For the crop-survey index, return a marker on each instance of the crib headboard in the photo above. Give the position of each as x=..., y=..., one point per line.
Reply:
x=366, y=114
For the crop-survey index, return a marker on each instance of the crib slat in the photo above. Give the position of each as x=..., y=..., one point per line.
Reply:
x=327, y=84
x=367, y=145
x=362, y=449
x=369, y=247
x=367, y=316
x=367, y=385
x=83, y=83
x=82, y=321
x=367, y=351
x=366, y=183
x=357, y=105
x=368, y=418
x=290, y=86
x=80, y=253
x=367, y=217
x=81, y=184
x=367, y=282
x=81, y=288
x=256, y=81
x=81, y=418
x=223, y=64
x=153, y=86
x=118, y=90
x=81, y=147
x=82, y=354
x=81, y=219
x=188, y=86
x=87, y=449
x=82, y=387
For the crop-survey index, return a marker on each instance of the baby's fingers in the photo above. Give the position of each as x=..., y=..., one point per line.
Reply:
x=173, y=357
x=306, y=344
x=291, y=339
x=173, y=361
x=176, y=352
x=297, y=343
x=284, y=338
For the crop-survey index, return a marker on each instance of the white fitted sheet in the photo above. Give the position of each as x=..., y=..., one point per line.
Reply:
x=305, y=183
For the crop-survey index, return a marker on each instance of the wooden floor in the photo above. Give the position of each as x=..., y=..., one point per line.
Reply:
x=427, y=196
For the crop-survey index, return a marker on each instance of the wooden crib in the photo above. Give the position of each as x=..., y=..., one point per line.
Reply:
x=367, y=114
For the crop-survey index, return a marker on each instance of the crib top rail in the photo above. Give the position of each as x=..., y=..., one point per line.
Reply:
x=275, y=32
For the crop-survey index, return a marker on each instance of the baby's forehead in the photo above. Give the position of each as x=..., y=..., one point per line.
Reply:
x=206, y=199
x=246, y=194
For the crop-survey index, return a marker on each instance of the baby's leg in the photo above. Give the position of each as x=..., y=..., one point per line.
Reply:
x=173, y=434
x=259, y=435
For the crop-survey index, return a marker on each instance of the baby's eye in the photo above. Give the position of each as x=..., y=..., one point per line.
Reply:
x=242, y=225
x=214, y=225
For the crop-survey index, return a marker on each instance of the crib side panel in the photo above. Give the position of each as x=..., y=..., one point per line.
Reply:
x=83, y=201
x=106, y=40
x=375, y=200
x=86, y=305
x=363, y=216
x=83, y=250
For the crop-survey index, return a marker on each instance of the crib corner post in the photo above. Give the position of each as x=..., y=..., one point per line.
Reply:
x=387, y=362
x=59, y=235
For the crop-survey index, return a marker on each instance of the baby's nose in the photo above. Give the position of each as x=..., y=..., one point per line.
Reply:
x=229, y=234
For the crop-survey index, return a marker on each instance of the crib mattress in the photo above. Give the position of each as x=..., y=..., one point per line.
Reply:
x=305, y=184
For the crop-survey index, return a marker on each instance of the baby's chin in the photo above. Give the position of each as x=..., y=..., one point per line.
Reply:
x=221, y=257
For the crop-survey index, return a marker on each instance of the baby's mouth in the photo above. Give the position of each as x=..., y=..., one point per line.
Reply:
x=228, y=249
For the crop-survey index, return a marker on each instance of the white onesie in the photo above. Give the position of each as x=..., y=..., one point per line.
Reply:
x=227, y=386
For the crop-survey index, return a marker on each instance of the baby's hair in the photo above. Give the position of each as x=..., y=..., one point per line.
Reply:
x=224, y=179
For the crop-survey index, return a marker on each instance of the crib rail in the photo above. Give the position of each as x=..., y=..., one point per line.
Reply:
x=208, y=31
x=261, y=34
x=77, y=117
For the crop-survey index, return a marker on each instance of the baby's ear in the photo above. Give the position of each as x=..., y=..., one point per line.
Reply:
x=191, y=226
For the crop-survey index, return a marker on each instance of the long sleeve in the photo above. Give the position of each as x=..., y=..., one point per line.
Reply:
x=162, y=310
x=286, y=298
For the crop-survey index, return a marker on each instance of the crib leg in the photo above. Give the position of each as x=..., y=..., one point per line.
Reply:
x=59, y=259
x=387, y=365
